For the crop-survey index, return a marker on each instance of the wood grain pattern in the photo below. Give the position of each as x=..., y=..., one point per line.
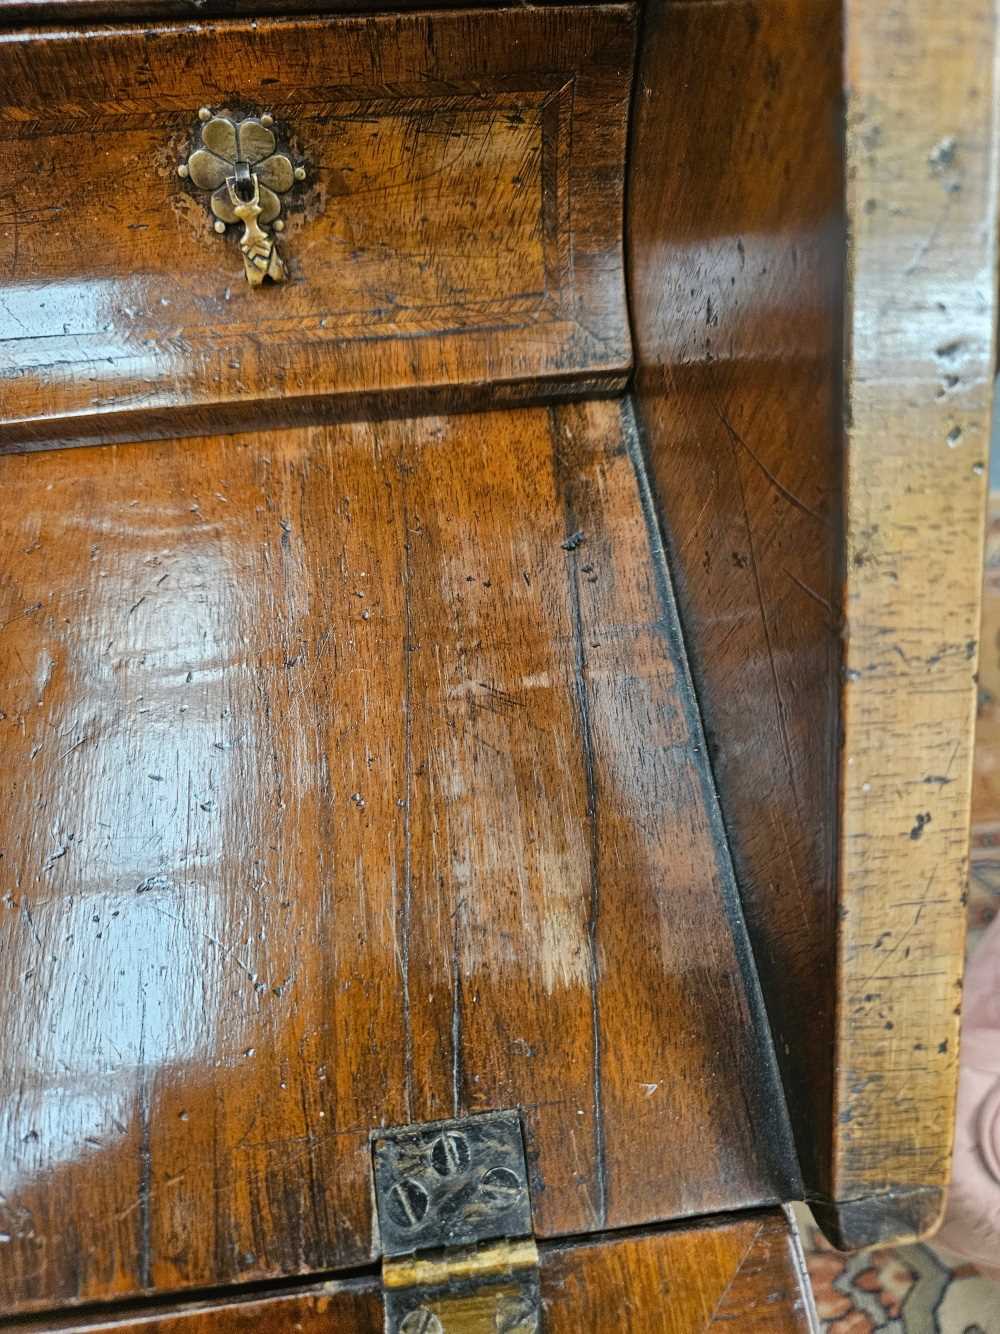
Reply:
x=743, y=1274
x=921, y=152
x=352, y=776
x=741, y=412
x=459, y=228
x=735, y=255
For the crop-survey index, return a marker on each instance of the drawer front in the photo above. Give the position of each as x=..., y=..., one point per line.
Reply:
x=458, y=224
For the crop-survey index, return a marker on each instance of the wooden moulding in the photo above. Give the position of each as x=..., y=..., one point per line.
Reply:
x=823, y=493
x=457, y=238
x=117, y=11
x=742, y=1273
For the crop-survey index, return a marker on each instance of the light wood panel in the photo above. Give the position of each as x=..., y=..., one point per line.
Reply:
x=457, y=236
x=921, y=152
x=352, y=775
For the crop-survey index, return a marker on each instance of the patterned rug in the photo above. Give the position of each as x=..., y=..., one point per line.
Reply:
x=920, y=1289
x=898, y=1290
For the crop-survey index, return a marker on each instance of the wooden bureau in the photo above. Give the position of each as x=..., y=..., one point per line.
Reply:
x=489, y=562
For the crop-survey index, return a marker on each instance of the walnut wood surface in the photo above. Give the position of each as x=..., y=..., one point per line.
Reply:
x=735, y=258
x=921, y=153
x=744, y=1274
x=742, y=413
x=458, y=232
x=352, y=776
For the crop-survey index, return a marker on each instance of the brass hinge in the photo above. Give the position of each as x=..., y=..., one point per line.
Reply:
x=454, y=1215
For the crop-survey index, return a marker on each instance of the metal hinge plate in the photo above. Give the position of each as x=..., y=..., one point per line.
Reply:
x=455, y=1222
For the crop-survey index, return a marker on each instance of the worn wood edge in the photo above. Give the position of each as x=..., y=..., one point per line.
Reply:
x=921, y=284
x=801, y=1268
x=24, y=12
x=895, y=1216
x=141, y=425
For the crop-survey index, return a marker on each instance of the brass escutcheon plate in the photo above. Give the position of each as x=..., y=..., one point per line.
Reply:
x=238, y=160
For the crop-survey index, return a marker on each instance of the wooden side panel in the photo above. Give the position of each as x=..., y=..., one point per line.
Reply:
x=744, y=1275
x=922, y=153
x=459, y=224
x=741, y=416
x=735, y=254
x=351, y=775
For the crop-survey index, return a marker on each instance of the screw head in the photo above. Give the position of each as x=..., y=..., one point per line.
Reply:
x=408, y=1203
x=267, y=119
x=300, y=173
x=182, y=170
x=450, y=1154
x=499, y=1188
x=219, y=226
x=420, y=1321
x=204, y=114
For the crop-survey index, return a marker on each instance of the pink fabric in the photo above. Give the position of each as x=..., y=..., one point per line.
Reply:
x=971, y=1227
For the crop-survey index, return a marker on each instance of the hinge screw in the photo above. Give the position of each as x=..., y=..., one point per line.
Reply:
x=421, y=1321
x=450, y=1154
x=408, y=1202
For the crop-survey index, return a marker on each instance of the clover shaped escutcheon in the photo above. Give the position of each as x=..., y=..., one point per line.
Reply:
x=239, y=163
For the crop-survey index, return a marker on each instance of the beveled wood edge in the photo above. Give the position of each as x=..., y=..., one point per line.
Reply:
x=921, y=195
x=142, y=425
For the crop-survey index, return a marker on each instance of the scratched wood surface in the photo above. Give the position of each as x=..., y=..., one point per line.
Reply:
x=458, y=232
x=352, y=776
x=741, y=1274
x=921, y=152
x=736, y=253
